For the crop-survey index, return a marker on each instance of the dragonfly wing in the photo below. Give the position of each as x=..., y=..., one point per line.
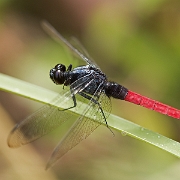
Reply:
x=47, y=117
x=43, y=121
x=82, y=128
x=58, y=37
x=77, y=45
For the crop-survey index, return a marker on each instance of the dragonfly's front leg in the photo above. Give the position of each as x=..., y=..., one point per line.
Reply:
x=74, y=101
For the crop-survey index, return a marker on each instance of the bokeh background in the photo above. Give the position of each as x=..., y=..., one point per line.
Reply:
x=135, y=42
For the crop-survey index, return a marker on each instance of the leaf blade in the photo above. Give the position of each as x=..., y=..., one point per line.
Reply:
x=40, y=94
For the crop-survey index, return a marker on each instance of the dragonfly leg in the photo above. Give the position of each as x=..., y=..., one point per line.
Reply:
x=69, y=67
x=96, y=102
x=74, y=101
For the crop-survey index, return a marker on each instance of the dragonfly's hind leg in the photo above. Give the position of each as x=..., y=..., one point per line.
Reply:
x=96, y=102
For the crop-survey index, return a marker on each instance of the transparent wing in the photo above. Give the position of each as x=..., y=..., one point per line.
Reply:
x=83, y=127
x=77, y=45
x=57, y=36
x=46, y=118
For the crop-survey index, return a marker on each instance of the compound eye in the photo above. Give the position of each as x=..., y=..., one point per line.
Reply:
x=58, y=77
x=57, y=74
x=60, y=67
x=51, y=73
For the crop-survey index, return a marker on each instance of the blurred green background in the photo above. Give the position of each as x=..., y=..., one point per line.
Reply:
x=135, y=42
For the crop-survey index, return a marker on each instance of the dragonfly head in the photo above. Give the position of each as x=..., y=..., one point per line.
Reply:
x=57, y=74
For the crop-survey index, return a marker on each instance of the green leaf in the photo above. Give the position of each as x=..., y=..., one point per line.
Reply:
x=40, y=94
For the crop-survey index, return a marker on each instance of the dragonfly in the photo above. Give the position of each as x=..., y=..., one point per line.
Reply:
x=91, y=87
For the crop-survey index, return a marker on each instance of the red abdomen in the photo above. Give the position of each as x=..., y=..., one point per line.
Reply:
x=152, y=104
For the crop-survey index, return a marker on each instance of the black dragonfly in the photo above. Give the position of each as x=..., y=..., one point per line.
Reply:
x=86, y=83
